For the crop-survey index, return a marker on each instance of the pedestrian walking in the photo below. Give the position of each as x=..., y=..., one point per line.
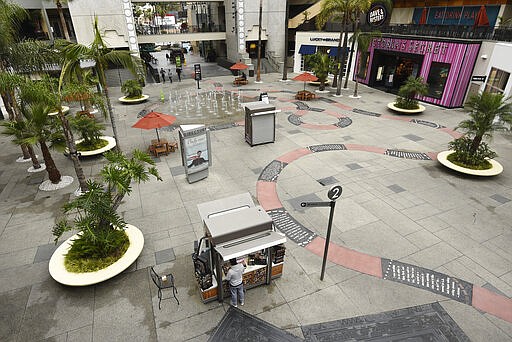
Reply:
x=162, y=74
x=167, y=57
x=178, y=72
x=169, y=73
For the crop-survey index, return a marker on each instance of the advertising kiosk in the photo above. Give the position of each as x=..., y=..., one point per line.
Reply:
x=236, y=228
x=195, y=151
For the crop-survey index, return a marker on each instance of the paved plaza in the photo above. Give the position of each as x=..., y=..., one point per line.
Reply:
x=402, y=216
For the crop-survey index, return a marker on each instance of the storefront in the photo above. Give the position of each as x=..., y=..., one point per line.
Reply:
x=235, y=228
x=308, y=43
x=446, y=65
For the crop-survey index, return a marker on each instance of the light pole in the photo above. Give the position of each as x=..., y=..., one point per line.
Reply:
x=285, y=58
x=258, y=70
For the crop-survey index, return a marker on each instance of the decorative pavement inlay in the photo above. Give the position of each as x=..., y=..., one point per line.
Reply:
x=328, y=100
x=301, y=105
x=222, y=126
x=272, y=171
x=165, y=255
x=427, y=123
x=436, y=282
x=327, y=147
x=428, y=322
x=407, y=155
x=217, y=85
x=257, y=170
x=343, y=122
x=328, y=181
x=36, y=178
x=316, y=109
x=396, y=188
x=291, y=227
x=413, y=137
x=365, y=112
x=294, y=120
x=500, y=199
x=238, y=325
x=354, y=166
x=294, y=131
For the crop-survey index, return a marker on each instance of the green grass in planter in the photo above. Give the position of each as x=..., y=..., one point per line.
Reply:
x=133, y=97
x=486, y=165
x=95, y=145
x=85, y=257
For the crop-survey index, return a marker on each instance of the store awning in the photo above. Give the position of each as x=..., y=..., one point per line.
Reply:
x=249, y=244
x=333, y=52
x=307, y=49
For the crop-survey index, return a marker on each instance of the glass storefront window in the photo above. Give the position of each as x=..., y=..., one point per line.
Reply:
x=497, y=81
x=437, y=79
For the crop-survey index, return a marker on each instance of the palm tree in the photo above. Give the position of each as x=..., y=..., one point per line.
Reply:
x=320, y=64
x=336, y=10
x=102, y=56
x=488, y=112
x=9, y=83
x=363, y=43
x=407, y=93
x=38, y=128
x=59, y=4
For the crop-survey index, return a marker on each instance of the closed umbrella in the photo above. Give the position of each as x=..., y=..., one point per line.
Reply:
x=305, y=77
x=423, y=18
x=481, y=18
x=155, y=120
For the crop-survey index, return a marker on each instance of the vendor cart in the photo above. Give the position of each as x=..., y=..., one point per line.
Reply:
x=234, y=227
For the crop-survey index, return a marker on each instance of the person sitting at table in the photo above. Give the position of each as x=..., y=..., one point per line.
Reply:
x=243, y=77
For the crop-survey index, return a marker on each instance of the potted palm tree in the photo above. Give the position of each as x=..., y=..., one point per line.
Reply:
x=132, y=90
x=470, y=154
x=105, y=244
x=406, y=102
x=91, y=141
x=320, y=64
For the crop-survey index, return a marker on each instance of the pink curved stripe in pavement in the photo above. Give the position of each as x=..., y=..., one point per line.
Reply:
x=266, y=192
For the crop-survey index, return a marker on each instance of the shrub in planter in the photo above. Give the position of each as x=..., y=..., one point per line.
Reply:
x=487, y=112
x=408, y=91
x=320, y=64
x=132, y=89
x=90, y=132
x=94, y=214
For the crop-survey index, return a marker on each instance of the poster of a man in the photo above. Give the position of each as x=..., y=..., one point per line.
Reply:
x=197, y=159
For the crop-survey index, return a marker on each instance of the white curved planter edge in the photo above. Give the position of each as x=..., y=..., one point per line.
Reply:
x=65, y=110
x=111, y=144
x=61, y=275
x=495, y=170
x=134, y=101
x=392, y=106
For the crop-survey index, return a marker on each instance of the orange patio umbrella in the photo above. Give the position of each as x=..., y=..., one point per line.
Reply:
x=155, y=120
x=305, y=77
x=239, y=66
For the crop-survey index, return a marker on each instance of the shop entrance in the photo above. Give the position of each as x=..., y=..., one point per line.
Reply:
x=391, y=69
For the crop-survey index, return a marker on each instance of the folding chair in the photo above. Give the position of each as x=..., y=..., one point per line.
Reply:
x=163, y=282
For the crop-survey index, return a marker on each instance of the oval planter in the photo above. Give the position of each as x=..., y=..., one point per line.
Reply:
x=124, y=100
x=392, y=106
x=111, y=144
x=495, y=170
x=61, y=275
x=65, y=110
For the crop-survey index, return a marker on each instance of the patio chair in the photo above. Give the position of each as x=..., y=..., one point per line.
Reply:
x=163, y=282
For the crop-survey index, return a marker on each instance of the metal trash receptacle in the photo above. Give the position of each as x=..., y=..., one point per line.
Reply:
x=259, y=123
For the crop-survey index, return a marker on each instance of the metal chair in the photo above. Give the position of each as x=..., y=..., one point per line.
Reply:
x=163, y=282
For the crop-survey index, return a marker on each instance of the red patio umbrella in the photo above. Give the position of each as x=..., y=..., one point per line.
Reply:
x=155, y=120
x=239, y=66
x=305, y=77
x=481, y=17
x=423, y=18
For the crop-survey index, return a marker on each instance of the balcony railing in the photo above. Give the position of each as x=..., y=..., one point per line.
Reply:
x=169, y=29
x=451, y=31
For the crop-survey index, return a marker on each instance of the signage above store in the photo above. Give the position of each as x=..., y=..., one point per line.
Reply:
x=420, y=47
x=240, y=25
x=323, y=39
x=376, y=15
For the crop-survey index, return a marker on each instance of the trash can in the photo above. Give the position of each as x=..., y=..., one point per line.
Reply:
x=260, y=125
x=251, y=70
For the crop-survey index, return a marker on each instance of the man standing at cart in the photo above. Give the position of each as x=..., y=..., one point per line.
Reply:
x=235, y=280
